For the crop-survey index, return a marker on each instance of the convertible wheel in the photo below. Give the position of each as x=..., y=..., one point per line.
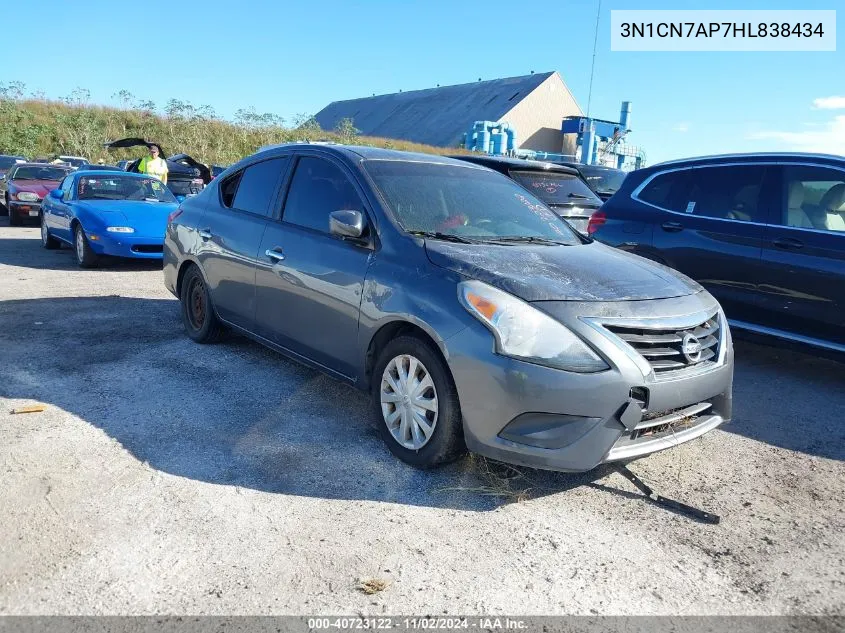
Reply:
x=85, y=257
x=48, y=241
x=416, y=401
x=201, y=322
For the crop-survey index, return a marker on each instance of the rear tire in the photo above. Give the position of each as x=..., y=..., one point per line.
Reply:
x=85, y=256
x=445, y=443
x=48, y=241
x=198, y=315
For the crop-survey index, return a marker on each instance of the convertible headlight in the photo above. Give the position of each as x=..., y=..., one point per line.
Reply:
x=524, y=332
x=120, y=229
x=27, y=196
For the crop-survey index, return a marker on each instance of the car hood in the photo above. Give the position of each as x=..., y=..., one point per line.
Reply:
x=588, y=272
x=149, y=219
x=39, y=187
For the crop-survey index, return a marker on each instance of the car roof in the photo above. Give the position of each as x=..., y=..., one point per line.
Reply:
x=29, y=164
x=357, y=152
x=109, y=172
x=752, y=156
x=525, y=164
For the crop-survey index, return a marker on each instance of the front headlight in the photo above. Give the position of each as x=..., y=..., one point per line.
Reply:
x=120, y=229
x=27, y=196
x=524, y=332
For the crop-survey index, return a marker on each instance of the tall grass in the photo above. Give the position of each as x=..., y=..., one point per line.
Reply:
x=38, y=127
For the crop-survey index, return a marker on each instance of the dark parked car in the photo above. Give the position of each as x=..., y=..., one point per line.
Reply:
x=561, y=188
x=473, y=314
x=6, y=161
x=24, y=186
x=92, y=167
x=186, y=176
x=764, y=233
x=603, y=181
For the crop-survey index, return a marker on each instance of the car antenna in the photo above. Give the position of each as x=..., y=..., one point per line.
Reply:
x=663, y=502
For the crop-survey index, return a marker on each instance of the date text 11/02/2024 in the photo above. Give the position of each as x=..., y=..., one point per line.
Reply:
x=417, y=623
x=719, y=29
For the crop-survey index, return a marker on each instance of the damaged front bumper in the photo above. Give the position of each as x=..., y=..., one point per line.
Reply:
x=537, y=416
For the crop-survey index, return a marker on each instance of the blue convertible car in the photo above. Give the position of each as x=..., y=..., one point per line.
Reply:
x=107, y=213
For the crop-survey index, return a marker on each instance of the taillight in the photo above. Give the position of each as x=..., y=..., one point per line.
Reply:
x=596, y=220
x=174, y=215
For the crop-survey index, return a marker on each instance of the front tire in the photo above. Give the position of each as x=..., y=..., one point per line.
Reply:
x=198, y=315
x=14, y=218
x=48, y=241
x=85, y=256
x=416, y=403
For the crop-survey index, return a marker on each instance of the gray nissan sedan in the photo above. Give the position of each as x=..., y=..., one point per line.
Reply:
x=475, y=317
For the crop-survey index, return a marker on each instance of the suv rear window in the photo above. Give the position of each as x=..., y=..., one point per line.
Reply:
x=555, y=188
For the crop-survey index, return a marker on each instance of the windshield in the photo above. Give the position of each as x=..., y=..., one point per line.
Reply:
x=556, y=188
x=40, y=173
x=452, y=200
x=603, y=179
x=122, y=188
x=8, y=161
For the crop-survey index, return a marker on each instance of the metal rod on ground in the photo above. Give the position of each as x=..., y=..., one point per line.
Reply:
x=695, y=513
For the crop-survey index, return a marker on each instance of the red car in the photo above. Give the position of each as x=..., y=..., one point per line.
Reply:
x=24, y=186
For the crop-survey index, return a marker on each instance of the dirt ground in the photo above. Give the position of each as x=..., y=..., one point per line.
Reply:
x=166, y=477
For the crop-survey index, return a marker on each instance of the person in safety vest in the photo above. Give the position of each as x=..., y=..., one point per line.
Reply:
x=153, y=165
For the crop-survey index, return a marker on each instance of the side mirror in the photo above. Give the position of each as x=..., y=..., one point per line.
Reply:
x=56, y=194
x=347, y=223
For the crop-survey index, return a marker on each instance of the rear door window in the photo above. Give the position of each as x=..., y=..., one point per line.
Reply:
x=728, y=193
x=666, y=190
x=318, y=188
x=254, y=190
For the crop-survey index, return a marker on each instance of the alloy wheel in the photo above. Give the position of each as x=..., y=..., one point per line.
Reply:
x=408, y=401
x=80, y=245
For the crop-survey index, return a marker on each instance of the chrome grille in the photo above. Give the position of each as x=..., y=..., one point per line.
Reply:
x=670, y=350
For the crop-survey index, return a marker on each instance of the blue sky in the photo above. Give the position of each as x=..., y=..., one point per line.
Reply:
x=291, y=58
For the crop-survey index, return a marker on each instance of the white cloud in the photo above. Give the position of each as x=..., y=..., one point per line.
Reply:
x=683, y=126
x=827, y=138
x=829, y=103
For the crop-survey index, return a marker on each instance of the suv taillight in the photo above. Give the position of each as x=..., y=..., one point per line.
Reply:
x=596, y=220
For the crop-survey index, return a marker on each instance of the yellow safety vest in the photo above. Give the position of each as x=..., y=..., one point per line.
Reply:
x=154, y=167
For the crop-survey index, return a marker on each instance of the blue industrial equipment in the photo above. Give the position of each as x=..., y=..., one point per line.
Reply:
x=599, y=138
x=490, y=137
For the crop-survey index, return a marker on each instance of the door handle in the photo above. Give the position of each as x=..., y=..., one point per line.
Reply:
x=205, y=234
x=788, y=242
x=275, y=254
x=672, y=227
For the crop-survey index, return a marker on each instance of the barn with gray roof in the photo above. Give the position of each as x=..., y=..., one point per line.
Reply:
x=534, y=105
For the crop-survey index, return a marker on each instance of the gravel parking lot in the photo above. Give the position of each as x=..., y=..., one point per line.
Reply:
x=168, y=477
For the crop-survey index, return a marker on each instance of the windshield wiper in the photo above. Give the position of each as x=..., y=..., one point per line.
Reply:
x=526, y=239
x=580, y=196
x=446, y=237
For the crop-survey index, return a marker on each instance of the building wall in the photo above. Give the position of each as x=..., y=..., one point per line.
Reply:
x=537, y=118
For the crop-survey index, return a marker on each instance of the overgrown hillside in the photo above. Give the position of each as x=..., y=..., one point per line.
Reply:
x=37, y=127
